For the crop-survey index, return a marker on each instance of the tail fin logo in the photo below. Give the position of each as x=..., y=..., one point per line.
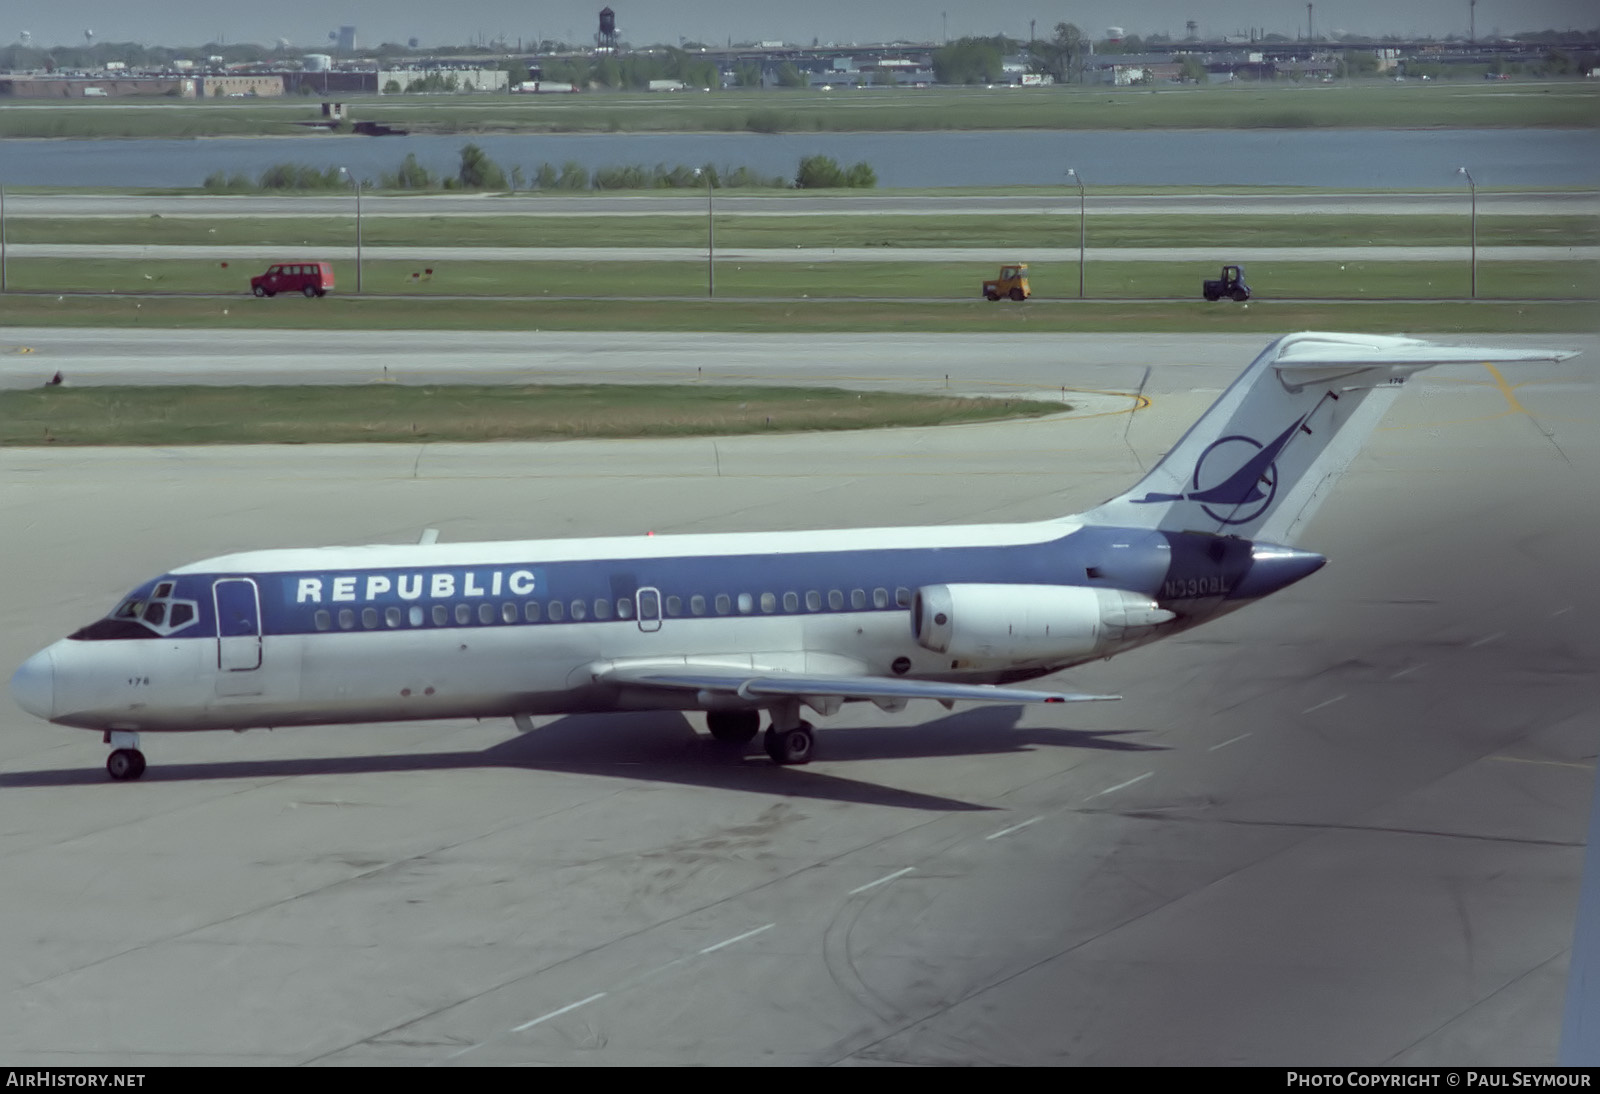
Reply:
x=1236, y=477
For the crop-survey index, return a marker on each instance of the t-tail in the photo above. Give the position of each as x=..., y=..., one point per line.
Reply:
x=1261, y=460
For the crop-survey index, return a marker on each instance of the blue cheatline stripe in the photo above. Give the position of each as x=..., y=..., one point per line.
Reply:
x=290, y=600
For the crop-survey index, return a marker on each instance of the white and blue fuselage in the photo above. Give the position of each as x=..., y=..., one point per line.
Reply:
x=384, y=633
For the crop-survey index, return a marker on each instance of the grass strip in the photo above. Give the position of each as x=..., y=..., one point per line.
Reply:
x=804, y=316
x=881, y=230
x=1374, y=104
x=395, y=413
x=1283, y=280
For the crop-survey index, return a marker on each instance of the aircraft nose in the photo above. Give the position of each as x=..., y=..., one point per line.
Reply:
x=33, y=686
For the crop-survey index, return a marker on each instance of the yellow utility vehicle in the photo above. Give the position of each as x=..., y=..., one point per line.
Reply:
x=1012, y=282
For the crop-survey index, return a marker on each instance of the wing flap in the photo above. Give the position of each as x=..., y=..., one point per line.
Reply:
x=757, y=684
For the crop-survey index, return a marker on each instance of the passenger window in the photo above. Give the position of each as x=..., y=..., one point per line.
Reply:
x=813, y=600
x=745, y=604
x=602, y=609
x=902, y=596
x=508, y=612
x=724, y=604
x=769, y=602
x=441, y=615
x=322, y=619
x=674, y=606
x=579, y=610
x=391, y=617
x=624, y=608
x=858, y=598
x=530, y=611
x=880, y=598
x=415, y=615
x=486, y=612
x=556, y=612
x=791, y=602
x=369, y=618
x=463, y=613
x=697, y=605
x=835, y=599
x=347, y=619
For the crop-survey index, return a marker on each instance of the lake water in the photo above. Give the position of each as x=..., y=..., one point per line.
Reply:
x=1339, y=158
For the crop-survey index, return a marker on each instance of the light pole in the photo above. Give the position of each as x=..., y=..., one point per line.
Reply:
x=1075, y=177
x=1474, y=188
x=346, y=172
x=2, y=238
x=711, y=238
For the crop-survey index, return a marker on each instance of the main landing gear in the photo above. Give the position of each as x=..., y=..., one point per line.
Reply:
x=126, y=761
x=733, y=726
x=789, y=746
x=788, y=741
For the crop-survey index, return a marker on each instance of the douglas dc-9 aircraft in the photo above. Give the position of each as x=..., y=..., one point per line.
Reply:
x=736, y=624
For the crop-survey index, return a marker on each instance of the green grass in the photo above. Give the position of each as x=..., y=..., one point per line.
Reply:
x=378, y=413
x=808, y=316
x=1368, y=104
x=884, y=230
x=902, y=280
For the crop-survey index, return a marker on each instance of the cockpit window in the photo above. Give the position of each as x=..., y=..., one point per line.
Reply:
x=153, y=616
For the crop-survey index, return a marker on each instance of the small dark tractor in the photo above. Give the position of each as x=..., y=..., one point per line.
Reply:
x=1230, y=284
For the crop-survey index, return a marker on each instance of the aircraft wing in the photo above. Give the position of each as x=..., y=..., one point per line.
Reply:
x=757, y=683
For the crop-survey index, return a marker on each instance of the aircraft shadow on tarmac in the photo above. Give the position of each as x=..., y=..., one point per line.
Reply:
x=661, y=746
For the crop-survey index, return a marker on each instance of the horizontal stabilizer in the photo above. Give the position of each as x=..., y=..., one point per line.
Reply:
x=755, y=684
x=1375, y=359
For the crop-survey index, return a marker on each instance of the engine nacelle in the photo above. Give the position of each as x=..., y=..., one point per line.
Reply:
x=1046, y=623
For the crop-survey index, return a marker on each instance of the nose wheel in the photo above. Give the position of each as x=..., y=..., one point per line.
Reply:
x=125, y=763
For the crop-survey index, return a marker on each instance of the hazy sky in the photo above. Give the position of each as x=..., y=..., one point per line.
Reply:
x=306, y=23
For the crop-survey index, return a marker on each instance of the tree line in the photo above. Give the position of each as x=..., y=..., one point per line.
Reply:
x=477, y=171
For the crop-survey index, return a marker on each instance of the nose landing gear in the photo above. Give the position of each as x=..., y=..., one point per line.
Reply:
x=126, y=761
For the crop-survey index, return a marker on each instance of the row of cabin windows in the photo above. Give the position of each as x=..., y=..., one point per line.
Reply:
x=556, y=611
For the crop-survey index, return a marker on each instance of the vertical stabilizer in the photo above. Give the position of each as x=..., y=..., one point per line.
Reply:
x=1260, y=461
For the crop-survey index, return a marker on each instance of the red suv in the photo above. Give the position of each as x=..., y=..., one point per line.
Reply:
x=311, y=278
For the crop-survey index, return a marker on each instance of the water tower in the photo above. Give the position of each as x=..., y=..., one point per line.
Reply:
x=608, y=31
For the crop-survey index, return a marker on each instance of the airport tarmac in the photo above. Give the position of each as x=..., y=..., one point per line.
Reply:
x=1345, y=826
